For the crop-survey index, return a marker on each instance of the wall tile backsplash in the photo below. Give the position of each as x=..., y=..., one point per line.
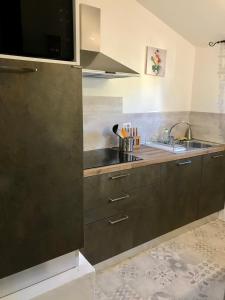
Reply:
x=208, y=126
x=101, y=113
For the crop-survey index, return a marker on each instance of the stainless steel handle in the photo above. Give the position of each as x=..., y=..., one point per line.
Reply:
x=119, y=176
x=118, y=221
x=9, y=69
x=217, y=156
x=184, y=163
x=119, y=199
x=76, y=67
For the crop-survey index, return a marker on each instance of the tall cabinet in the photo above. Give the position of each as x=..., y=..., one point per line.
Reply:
x=40, y=163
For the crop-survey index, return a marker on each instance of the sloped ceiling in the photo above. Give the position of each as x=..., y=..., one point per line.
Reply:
x=198, y=21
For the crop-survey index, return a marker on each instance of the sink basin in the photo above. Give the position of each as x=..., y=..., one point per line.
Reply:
x=196, y=144
x=182, y=146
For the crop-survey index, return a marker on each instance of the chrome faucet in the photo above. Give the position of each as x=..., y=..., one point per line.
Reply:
x=188, y=134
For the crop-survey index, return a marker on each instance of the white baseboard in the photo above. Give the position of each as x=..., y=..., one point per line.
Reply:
x=31, y=276
x=68, y=283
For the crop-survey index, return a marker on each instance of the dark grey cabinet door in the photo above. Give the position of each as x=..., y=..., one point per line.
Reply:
x=213, y=190
x=147, y=214
x=180, y=185
x=40, y=163
x=108, y=237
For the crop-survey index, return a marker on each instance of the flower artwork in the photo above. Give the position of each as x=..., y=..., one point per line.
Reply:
x=156, y=61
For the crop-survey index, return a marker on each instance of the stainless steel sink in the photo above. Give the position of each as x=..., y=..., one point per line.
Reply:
x=179, y=147
x=196, y=144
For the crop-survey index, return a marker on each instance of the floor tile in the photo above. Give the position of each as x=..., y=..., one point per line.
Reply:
x=188, y=267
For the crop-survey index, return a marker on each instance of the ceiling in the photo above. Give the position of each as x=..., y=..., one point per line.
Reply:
x=198, y=21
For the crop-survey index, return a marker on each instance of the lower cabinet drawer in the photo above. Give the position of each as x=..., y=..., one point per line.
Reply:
x=114, y=206
x=108, y=237
x=100, y=189
x=113, y=229
x=133, y=200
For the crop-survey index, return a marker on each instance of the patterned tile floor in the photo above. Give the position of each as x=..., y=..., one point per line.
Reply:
x=188, y=267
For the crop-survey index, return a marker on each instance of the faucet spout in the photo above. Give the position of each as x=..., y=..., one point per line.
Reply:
x=188, y=132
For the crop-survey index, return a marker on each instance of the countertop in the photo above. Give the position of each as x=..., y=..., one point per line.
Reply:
x=151, y=156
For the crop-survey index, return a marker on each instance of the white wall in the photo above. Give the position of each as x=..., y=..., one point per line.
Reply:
x=206, y=81
x=126, y=29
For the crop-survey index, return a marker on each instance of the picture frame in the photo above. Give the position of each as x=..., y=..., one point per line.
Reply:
x=155, y=61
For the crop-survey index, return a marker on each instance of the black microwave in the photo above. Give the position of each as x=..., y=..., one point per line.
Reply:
x=38, y=28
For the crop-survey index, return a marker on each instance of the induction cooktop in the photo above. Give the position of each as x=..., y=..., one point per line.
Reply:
x=106, y=157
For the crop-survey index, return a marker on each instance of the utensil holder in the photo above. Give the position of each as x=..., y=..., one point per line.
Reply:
x=126, y=144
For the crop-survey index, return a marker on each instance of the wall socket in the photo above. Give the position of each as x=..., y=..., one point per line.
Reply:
x=127, y=125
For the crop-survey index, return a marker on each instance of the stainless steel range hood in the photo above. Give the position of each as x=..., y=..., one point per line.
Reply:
x=94, y=62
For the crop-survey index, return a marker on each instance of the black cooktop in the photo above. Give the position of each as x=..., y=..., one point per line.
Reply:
x=106, y=157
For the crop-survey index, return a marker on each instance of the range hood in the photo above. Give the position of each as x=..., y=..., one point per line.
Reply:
x=93, y=61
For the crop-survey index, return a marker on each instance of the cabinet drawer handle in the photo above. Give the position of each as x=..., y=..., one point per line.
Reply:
x=118, y=221
x=9, y=69
x=119, y=176
x=119, y=199
x=184, y=163
x=217, y=156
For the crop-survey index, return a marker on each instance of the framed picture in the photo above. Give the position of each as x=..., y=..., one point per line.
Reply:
x=156, y=61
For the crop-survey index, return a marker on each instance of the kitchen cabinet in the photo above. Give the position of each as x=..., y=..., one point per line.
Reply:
x=126, y=225
x=41, y=30
x=122, y=213
x=212, y=195
x=99, y=189
x=180, y=187
x=147, y=202
x=41, y=170
x=147, y=214
x=108, y=237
